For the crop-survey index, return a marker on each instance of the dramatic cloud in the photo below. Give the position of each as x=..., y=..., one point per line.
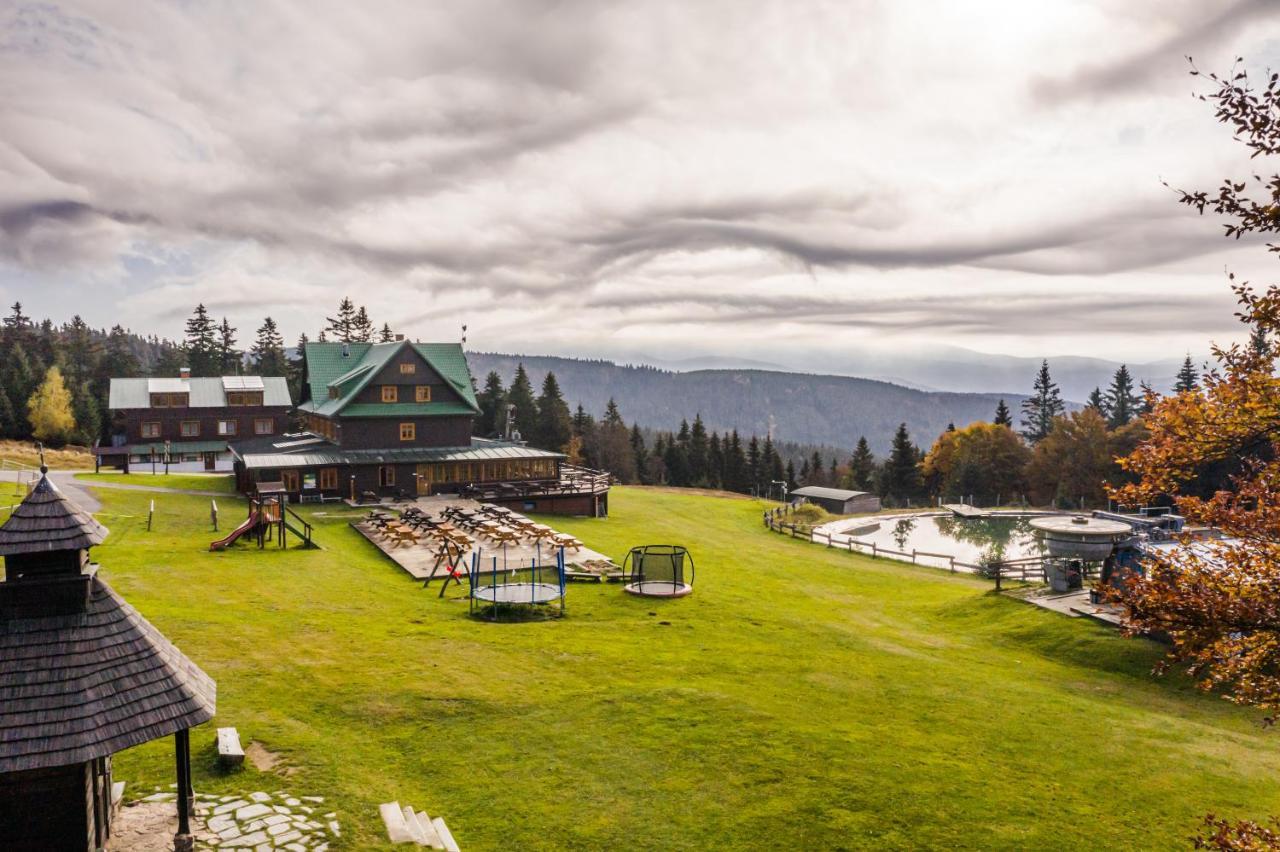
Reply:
x=605, y=177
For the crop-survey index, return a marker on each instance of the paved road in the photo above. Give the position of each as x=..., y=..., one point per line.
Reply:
x=80, y=492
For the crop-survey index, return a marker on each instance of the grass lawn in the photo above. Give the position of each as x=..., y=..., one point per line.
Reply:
x=24, y=453
x=223, y=483
x=801, y=698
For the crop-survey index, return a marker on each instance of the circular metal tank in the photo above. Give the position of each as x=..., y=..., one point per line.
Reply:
x=1078, y=537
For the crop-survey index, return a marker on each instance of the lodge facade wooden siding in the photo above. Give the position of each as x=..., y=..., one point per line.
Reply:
x=170, y=421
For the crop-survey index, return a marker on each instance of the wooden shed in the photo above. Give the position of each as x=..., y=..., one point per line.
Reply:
x=838, y=501
x=82, y=676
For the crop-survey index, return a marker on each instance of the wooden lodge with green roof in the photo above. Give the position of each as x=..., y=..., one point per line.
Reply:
x=395, y=420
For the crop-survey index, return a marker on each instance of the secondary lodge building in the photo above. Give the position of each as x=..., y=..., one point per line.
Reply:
x=396, y=420
x=187, y=424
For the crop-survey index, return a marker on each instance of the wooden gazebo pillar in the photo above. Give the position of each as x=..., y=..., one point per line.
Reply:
x=184, y=841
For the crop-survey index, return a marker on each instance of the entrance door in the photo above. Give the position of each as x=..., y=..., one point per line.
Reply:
x=209, y=460
x=292, y=481
x=424, y=479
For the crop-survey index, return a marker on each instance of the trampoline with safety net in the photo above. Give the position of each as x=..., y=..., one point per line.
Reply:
x=659, y=571
x=537, y=583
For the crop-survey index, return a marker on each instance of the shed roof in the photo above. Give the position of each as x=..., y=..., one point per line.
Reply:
x=204, y=392
x=45, y=521
x=77, y=687
x=349, y=367
x=828, y=493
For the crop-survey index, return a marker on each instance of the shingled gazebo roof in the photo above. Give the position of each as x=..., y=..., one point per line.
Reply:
x=83, y=685
x=45, y=521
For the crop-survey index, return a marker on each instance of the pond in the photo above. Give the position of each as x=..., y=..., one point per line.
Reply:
x=971, y=541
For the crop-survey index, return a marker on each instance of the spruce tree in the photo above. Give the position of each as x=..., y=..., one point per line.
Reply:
x=1188, y=379
x=640, y=452
x=699, y=462
x=862, y=466
x=386, y=335
x=792, y=483
x=10, y=426
x=735, y=465
x=200, y=345
x=268, y=351
x=1039, y=409
x=1097, y=401
x=362, y=327
x=1003, y=417
x=715, y=461
x=85, y=412
x=1145, y=392
x=753, y=464
x=521, y=396
x=555, y=425
x=118, y=358
x=228, y=359
x=1122, y=405
x=902, y=469
x=491, y=401
x=341, y=327
x=817, y=474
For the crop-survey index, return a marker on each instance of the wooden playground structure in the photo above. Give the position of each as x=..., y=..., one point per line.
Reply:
x=269, y=519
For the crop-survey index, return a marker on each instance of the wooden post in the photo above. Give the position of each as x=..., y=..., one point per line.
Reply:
x=150, y=513
x=183, y=840
x=213, y=513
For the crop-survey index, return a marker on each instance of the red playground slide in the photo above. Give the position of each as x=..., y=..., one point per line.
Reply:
x=249, y=523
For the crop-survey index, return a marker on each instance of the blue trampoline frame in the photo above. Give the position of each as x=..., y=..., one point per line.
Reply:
x=544, y=584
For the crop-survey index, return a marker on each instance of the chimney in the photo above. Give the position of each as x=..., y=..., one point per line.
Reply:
x=184, y=373
x=399, y=338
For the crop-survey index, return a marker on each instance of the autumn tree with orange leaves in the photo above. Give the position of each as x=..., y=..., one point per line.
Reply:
x=1213, y=451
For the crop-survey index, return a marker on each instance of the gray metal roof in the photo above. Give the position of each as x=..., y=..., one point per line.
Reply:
x=205, y=392
x=329, y=454
x=828, y=493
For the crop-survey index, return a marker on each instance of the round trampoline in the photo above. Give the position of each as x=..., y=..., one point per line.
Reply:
x=535, y=583
x=658, y=571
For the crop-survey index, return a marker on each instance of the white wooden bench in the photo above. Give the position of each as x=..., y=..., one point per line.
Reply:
x=229, y=751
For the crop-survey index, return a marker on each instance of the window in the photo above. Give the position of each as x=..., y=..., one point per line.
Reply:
x=191, y=428
x=390, y=393
x=422, y=393
x=151, y=429
x=226, y=427
x=328, y=478
x=169, y=400
x=386, y=476
x=264, y=426
x=408, y=431
x=407, y=369
x=244, y=397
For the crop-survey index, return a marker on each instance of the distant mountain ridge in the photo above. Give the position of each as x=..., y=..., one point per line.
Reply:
x=800, y=407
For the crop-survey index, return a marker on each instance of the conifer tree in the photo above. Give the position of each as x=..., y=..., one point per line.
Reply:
x=753, y=464
x=10, y=426
x=862, y=466
x=555, y=425
x=49, y=410
x=85, y=413
x=521, y=396
x=640, y=452
x=268, y=351
x=1122, y=405
x=699, y=463
x=201, y=343
x=1188, y=378
x=118, y=359
x=792, y=484
x=735, y=465
x=1003, y=417
x=817, y=474
x=228, y=359
x=342, y=327
x=386, y=335
x=1097, y=401
x=1039, y=409
x=17, y=327
x=491, y=401
x=902, y=469
x=715, y=461
x=362, y=327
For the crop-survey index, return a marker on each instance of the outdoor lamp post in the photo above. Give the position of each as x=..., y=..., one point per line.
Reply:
x=353, y=488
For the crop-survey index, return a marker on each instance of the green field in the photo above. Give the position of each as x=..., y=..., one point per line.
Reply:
x=800, y=699
x=185, y=481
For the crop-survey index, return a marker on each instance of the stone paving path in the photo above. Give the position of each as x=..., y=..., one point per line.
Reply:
x=262, y=822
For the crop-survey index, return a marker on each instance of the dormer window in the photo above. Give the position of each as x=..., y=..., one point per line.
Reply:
x=244, y=397
x=169, y=400
x=390, y=393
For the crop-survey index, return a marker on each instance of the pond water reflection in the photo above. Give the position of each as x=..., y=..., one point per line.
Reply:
x=974, y=540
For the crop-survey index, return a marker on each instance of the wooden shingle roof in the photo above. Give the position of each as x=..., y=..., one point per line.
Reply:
x=46, y=521
x=82, y=686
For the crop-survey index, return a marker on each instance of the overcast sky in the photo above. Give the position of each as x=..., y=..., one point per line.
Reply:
x=617, y=178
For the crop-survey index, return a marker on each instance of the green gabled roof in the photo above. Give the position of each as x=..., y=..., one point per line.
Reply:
x=327, y=366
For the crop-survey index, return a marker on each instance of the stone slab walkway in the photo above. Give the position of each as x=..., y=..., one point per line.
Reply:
x=260, y=821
